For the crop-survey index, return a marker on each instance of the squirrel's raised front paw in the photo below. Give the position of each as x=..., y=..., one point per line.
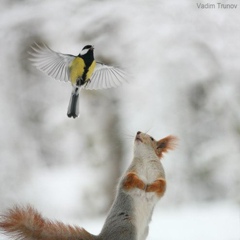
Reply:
x=131, y=181
x=158, y=186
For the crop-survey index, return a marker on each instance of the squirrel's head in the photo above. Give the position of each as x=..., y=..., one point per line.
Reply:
x=145, y=145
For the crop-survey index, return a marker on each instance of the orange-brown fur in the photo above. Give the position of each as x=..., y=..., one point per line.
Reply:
x=28, y=224
x=165, y=144
x=158, y=186
x=133, y=181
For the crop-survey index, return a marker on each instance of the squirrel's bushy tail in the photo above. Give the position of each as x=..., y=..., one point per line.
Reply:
x=27, y=224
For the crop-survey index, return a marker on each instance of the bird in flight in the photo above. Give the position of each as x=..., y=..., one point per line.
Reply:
x=82, y=71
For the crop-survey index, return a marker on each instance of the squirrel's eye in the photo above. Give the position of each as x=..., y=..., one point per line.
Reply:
x=152, y=138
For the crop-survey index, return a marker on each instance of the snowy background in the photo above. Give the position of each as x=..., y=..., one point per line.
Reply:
x=184, y=62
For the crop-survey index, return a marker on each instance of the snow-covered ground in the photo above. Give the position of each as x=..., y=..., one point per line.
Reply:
x=210, y=222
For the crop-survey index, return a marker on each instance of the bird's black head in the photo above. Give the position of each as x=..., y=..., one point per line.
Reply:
x=86, y=49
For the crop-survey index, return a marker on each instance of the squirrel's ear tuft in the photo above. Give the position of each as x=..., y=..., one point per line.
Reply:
x=165, y=144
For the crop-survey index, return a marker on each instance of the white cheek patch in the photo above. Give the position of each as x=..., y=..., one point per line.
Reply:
x=84, y=51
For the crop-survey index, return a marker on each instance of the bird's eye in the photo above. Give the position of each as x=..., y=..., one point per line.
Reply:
x=152, y=138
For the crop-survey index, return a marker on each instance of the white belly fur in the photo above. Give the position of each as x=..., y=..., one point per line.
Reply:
x=143, y=204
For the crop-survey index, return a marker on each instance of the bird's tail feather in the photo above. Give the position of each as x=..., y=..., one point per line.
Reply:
x=28, y=224
x=73, y=107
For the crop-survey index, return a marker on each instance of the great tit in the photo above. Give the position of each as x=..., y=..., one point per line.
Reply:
x=81, y=70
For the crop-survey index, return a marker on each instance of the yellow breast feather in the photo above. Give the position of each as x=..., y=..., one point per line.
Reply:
x=91, y=69
x=76, y=69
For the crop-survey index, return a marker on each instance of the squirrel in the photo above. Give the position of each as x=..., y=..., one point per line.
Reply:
x=138, y=191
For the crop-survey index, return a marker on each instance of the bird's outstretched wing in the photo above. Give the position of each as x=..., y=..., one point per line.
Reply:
x=105, y=76
x=54, y=64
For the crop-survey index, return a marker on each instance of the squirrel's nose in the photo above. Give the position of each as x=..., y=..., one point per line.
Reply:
x=138, y=132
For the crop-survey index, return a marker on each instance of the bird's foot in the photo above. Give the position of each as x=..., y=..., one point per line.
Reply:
x=87, y=82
